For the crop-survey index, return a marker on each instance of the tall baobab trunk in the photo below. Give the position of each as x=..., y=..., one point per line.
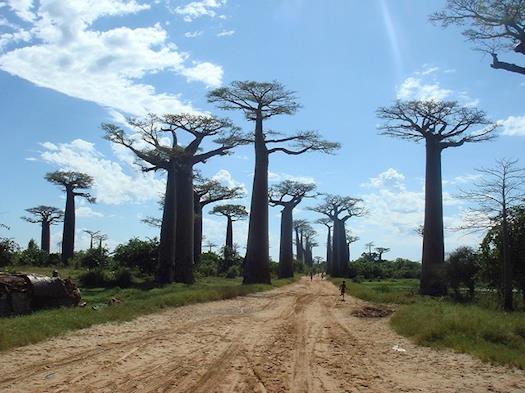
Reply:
x=197, y=229
x=339, y=256
x=507, y=263
x=432, y=282
x=45, y=243
x=166, y=269
x=285, y=246
x=298, y=246
x=68, y=235
x=185, y=226
x=256, y=262
x=229, y=233
x=329, y=251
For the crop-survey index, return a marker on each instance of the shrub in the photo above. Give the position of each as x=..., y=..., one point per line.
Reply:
x=94, y=258
x=139, y=254
x=462, y=266
x=94, y=278
x=233, y=271
x=8, y=250
x=33, y=255
x=123, y=278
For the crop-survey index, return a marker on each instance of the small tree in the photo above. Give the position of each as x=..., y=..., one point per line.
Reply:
x=441, y=125
x=496, y=25
x=71, y=183
x=380, y=251
x=46, y=216
x=232, y=213
x=260, y=101
x=462, y=268
x=206, y=192
x=340, y=209
x=288, y=194
x=177, y=159
x=500, y=189
x=92, y=236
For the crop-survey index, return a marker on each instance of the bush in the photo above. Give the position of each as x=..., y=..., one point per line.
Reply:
x=462, y=266
x=94, y=278
x=123, y=278
x=233, y=271
x=8, y=250
x=93, y=258
x=138, y=254
x=33, y=255
x=209, y=265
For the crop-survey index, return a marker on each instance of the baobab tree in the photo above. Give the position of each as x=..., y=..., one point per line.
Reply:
x=208, y=191
x=329, y=225
x=176, y=246
x=494, y=25
x=288, y=194
x=298, y=226
x=349, y=240
x=92, y=236
x=310, y=241
x=441, y=124
x=340, y=209
x=368, y=246
x=46, y=216
x=71, y=182
x=260, y=101
x=380, y=251
x=232, y=213
x=500, y=189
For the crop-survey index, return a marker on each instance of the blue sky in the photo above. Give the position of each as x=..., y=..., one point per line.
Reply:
x=66, y=67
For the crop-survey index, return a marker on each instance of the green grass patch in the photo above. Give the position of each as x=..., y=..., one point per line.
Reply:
x=480, y=329
x=29, y=329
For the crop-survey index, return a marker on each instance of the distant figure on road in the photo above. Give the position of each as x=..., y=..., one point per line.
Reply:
x=311, y=275
x=342, y=287
x=322, y=275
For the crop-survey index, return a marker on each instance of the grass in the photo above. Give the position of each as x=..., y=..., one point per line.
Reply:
x=28, y=329
x=479, y=329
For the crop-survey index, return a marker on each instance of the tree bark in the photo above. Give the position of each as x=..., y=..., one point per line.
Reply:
x=68, y=234
x=185, y=225
x=167, y=246
x=257, y=260
x=229, y=233
x=298, y=246
x=507, y=263
x=432, y=281
x=329, y=252
x=340, y=255
x=286, y=246
x=45, y=243
x=197, y=229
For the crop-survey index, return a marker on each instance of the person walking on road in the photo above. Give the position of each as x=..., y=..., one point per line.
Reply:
x=342, y=288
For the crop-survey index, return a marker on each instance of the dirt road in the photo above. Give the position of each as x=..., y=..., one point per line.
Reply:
x=299, y=338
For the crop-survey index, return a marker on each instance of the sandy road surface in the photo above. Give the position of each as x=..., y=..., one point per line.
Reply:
x=298, y=338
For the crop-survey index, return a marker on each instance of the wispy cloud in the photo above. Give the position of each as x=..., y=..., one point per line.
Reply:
x=226, y=33
x=197, y=9
x=513, y=126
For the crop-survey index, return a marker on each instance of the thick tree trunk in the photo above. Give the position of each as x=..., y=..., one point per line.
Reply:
x=432, y=281
x=167, y=246
x=229, y=234
x=329, y=252
x=286, y=246
x=68, y=235
x=507, y=264
x=45, y=243
x=298, y=246
x=340, y=254
x=185, y=225
x=257, y=260
x=197, y=229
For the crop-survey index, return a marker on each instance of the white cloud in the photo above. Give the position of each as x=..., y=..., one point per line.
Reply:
x=22, y=8
x=193, y=34
x=86, y=212
x=387, y=179
x=513, y=126
x=208, y=73
x=69, y=55
x=226, y=33
x=276, y=177
x=223, y=176
x=112, y=184
x=197, y=9
x=416, y=89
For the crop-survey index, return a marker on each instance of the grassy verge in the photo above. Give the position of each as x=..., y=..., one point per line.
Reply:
x=490, y=334
x=28, y=329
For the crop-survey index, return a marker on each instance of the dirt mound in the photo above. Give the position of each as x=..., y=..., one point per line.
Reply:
x=372, y=312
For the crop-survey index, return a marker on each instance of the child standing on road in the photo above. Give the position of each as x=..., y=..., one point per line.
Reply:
x=342, y=287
